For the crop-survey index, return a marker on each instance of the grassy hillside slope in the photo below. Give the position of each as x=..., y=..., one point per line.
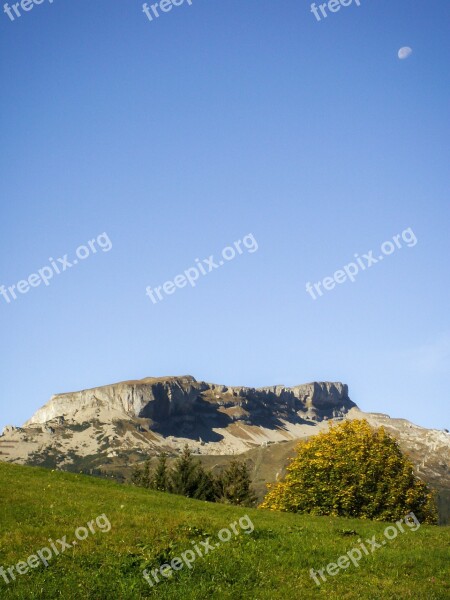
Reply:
x=149, y=529
x=265, y=463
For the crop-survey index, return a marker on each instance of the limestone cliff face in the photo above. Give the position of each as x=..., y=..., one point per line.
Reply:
x=124, y=421
x=319, y=396
x=162, y=398
x=151, y=398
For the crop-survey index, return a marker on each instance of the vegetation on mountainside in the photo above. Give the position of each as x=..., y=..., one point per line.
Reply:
x=189, y=478
x=352, y=470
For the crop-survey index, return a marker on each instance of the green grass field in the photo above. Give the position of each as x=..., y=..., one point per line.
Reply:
x=149, y=529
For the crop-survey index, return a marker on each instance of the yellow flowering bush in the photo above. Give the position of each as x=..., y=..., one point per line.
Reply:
x=352, y=470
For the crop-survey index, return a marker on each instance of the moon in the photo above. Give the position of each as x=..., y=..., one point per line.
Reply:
x=404, y=52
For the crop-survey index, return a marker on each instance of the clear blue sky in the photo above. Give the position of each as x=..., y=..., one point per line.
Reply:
x=178, y=137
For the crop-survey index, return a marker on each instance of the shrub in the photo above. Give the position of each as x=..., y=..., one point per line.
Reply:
x=352, y=471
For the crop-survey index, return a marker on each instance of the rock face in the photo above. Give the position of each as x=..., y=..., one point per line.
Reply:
x=163, y=398
x=131, y=418
x=151, y=398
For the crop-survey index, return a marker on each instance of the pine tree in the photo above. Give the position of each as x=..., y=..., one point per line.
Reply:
x=142, y=477
x=352, y=471
x=184, y=475
x=234, y=485
x=205, y=485
x=136, y=475
x=160, y=479
x=146, y=475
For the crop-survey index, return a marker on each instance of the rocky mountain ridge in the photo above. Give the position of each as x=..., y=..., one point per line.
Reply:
x=165, y=413
x=112, y=427
x=161, y=398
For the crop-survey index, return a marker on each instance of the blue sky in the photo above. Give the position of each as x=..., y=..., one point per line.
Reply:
x=178, y=137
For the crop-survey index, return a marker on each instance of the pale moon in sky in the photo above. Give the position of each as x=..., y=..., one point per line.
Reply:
x=404, y=52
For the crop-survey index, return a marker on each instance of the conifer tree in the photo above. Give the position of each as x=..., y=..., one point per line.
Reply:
x=142, y=477
x=234, y=485
x=205, y=485
x=136, y=475
x=160, y=480
x=184, y=475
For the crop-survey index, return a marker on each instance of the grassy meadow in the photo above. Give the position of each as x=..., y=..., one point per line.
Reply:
x=149, y=529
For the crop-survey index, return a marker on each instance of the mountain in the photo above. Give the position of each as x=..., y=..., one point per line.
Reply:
x=110, y=428
x=152, y=414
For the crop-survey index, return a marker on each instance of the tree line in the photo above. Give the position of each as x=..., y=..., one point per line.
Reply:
x=187, y=477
